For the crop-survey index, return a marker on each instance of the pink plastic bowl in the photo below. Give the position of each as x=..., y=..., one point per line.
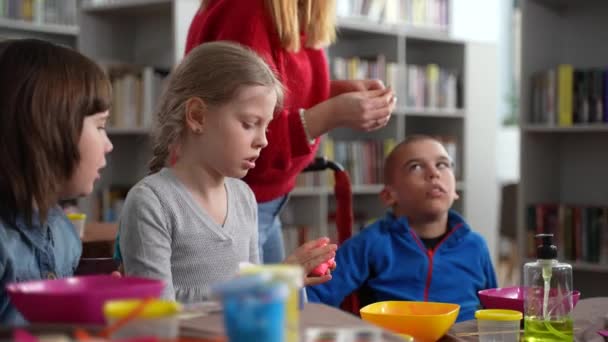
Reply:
x=510, y=298
x=77, y=299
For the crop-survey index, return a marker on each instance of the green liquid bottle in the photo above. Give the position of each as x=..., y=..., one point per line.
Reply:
x=547, y=296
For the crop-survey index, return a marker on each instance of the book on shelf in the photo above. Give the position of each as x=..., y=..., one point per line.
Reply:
x=567, y=96
x=432, y=86
x=362, y=159
x=136, y=90
x=58, y=12
x=361, y=219
x=372, y=67
x=108, y=202
x=294, y=234
x=432, y=14
x=580, y=232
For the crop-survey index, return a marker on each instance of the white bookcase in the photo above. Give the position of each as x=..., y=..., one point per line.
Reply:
x=564, y=164
x=59, y=33
x=146, y=33
x=472, y=124
x=153, y=33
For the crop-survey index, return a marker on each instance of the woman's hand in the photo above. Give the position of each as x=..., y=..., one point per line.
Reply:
x=312, y=254
x=362, y=110
x=338, y=87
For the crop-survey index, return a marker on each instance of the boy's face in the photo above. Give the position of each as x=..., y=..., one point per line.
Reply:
x=422, y=182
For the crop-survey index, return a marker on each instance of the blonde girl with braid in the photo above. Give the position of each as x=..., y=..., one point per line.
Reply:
x=192, y=223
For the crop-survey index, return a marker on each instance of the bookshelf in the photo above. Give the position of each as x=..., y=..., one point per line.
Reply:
x=467, y=123
x=563, y=134
x=28, y=26
x=50, y=20
x=152, y=34
x=137, y=42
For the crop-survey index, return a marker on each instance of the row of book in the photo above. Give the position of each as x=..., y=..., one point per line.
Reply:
x=580, y=232
x=363, y=160
x=59, y=12
x=420, y=13
x=431, y=86
x=135, y=94
x=295, y=235
x=376, y=67
x=107, y=204
x=565, y=96
x=424, y=86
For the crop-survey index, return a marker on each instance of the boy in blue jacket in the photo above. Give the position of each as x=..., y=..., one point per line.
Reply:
x=420, y=250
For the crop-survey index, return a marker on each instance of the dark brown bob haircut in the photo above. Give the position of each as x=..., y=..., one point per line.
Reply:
x=46, y=91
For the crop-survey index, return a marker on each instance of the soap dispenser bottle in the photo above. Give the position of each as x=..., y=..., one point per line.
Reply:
x=548, y=300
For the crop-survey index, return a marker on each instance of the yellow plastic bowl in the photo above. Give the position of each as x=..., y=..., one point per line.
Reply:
x=425, y=321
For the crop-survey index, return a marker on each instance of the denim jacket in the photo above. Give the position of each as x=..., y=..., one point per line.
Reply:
x=35, y=252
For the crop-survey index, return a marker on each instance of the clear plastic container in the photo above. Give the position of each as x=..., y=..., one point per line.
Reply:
x=159, y=319
x=548, y=295
x=495, y=325
x=78, y=220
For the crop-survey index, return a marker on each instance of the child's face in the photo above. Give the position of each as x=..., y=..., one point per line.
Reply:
x=93, y=147
x=422, y=182
x=235, y=133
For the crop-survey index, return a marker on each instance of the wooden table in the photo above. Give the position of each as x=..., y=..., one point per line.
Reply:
x=98, y=240
x=313, y=315
x=589, y=316
x=98, y=249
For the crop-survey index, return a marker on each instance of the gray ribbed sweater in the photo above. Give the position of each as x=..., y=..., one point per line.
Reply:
x=165, y=234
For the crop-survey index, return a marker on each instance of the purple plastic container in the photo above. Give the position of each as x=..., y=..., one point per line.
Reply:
x=510, y=298
x=77, y=300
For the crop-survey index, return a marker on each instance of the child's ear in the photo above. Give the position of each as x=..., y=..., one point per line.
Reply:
x=388, y=196
x=196, y=112
x=456, y=195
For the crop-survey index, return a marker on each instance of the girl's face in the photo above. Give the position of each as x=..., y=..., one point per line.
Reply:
x=93, y=147
x=235, y=133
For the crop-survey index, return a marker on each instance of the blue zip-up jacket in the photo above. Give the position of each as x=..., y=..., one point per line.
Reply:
x=388, y=261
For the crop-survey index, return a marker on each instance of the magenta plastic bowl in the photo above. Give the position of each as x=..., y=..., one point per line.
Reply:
x=77, y=300
x=509, y=298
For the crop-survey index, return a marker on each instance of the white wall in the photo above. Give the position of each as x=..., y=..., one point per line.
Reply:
x=476, y=20
x=487, y=22
x=481, y=192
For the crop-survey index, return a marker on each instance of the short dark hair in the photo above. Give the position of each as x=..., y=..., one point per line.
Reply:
x=389, y=162
x=46, y=91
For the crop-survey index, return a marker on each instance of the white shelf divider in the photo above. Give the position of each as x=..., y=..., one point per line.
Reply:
x=55, y=29
x=91, y=6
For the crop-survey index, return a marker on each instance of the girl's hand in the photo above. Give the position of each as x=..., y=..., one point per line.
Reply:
x=310, y=255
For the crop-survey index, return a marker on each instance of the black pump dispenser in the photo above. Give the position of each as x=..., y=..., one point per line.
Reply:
x=546, y=250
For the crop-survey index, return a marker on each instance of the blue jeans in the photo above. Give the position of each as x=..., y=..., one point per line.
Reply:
x=270, y=232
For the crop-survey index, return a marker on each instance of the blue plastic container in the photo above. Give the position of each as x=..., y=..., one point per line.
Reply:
x=254, y=309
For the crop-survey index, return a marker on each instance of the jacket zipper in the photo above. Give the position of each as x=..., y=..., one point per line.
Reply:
x=430, y=253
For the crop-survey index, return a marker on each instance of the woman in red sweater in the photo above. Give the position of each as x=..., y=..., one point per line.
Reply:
x=290, y=36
